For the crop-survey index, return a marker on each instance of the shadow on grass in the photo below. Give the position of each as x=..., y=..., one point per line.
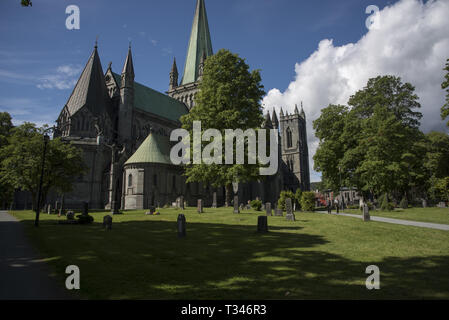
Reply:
x=146, y=260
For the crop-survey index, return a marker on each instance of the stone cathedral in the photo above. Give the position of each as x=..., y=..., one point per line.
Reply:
x=123, y=128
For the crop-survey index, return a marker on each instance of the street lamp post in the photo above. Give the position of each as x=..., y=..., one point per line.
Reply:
x=41, y=179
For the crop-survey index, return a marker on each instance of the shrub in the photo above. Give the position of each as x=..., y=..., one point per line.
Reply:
x=284, y=195
x=386, y=206
x=308, y=201
x=404, y=203
x=256, y=205
x=85, y=219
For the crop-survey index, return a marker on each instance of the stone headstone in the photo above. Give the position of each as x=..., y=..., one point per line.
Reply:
x=424, y=203
x=107, y=222
x=49, y=209
x=214, y=200
x=262, y=224
x=442, y=205
x=366, y=216
x=236, y=204
x=70, y=215
x=181, y=226
x=242, y=207
x=200, y=206
x=278, y=212
x=248, y=206
x=181, y=202
x=268, y=209
x=288, y=207
x=85, y=208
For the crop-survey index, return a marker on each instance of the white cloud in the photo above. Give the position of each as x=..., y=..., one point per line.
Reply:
x=64, y=78
x=412, y=42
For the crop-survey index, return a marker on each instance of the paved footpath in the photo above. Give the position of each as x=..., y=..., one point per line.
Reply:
x=399, y=221
x=22, y=274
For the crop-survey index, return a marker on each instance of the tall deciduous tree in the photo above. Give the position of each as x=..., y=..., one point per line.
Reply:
x=6, y=189
x=229, y=98
x=21, y=166
x=374, y=144
x=445, y=85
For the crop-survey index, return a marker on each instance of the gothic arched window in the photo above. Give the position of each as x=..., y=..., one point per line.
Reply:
x=130, y=180
x=289, y=138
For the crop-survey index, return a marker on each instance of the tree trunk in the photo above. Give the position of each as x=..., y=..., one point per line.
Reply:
x=228, y=195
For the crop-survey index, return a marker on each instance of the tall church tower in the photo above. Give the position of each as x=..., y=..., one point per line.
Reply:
x=125, y=118
x=199, y=48
x=295, y=151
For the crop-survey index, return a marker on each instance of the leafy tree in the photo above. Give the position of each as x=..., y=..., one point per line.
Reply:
x=22, y=165
x=229, y=98
x=443, y=186
x=284, y=195
x=6, y=189
x=445, y=85
x=308, y=201
x=374, y=144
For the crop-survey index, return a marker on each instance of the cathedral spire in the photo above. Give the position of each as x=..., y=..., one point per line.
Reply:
x=128, y=70
x=302, y=113
x=173, y=76
x=274, y=119
x=296, y=109
x=199, y=44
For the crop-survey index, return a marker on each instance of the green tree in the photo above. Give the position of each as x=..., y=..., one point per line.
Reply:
x=443, y=186
x=445, y=86
x=6, y=189
x=22, y=165
x=374, y=144
x=229, y=98
x=308, y=201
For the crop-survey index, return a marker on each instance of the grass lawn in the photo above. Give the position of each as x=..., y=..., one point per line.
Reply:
x=433, y=215
x=223, y=257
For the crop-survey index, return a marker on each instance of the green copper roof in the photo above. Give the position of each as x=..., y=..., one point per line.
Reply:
x=199, y=42
x=150, y=100
x=155, y=149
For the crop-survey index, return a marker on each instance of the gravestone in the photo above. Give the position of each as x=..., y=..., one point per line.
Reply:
x=442, y=205
x=288, y=207
x=262, y=224
x=236, y=204
x=214, y=200
x=70, y=215
x=200, y=206
x=49, y=209
x=181, y=202
x=248, y=206
x=85, y=208
x=268, y=209
x=242, y=207
x=366, y=216
x=107, y=222
x=181, y=226
x=278, y=212
x=424, y=203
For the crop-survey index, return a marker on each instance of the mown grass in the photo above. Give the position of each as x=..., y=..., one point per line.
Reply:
x=223, y=257
x=433, y=215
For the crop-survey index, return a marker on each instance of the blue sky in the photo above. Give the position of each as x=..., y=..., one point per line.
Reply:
x=40, y=60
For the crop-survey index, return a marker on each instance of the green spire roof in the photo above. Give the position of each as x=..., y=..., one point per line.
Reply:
x=199, y=43
x=155, y=149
